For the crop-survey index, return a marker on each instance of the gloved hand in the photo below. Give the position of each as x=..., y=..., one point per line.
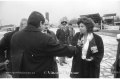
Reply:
x=90, y=59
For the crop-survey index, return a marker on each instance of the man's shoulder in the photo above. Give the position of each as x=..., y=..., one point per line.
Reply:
x=9, y=34
x=17, y=33
x=24, y=33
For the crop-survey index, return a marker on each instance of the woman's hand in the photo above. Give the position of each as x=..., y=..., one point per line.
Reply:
x=94, y=49
x=90, y=59
x=80, y=43
x=6, y=62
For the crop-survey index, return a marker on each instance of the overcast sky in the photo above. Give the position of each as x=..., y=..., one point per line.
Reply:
x=11, y=12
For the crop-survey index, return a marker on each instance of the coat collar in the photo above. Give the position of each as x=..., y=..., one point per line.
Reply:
x=31, y=28
x=81, y=35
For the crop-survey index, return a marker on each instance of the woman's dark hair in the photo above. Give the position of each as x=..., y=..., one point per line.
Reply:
x=88, y=22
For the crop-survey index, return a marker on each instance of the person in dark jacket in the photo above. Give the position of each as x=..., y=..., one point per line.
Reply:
x=71, y=33
x=116, y=65
x=33, y=52
x=5, y=49
x=90, y=50
x=62, y=35
x=5, y=46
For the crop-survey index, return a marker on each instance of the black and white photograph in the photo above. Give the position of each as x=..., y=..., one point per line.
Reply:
x=60, y=39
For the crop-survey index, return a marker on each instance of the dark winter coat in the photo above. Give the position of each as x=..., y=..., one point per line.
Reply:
x=33, y=52
x=5, y=48
x=87, y=69
x=117, y=62
x=63, y=36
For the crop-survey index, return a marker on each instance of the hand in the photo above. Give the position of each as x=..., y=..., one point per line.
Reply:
x=94, y=49
x=90, y=59
x=6, y=62
x=80, y=43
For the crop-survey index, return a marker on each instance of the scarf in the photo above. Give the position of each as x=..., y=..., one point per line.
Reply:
x=86, y=45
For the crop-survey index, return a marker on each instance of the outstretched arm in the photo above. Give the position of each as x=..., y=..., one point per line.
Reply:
x=54, y=48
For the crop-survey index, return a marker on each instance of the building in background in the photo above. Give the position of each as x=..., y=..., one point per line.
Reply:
x=109, y=18
x=7, y=28
x=97, y=19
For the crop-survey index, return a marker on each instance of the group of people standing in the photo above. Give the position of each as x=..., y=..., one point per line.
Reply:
x=32, y=50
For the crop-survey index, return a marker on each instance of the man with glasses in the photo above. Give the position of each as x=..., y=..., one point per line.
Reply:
x=45, y=29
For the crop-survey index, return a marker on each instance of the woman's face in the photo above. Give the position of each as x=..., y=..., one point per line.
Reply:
x=82, y=28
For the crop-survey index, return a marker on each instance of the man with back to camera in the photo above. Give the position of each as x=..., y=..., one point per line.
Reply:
x=33, y=52
x=5, y=64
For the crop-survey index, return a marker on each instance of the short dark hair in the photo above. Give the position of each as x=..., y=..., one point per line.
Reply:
x=88, y=22
x=35, y=18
